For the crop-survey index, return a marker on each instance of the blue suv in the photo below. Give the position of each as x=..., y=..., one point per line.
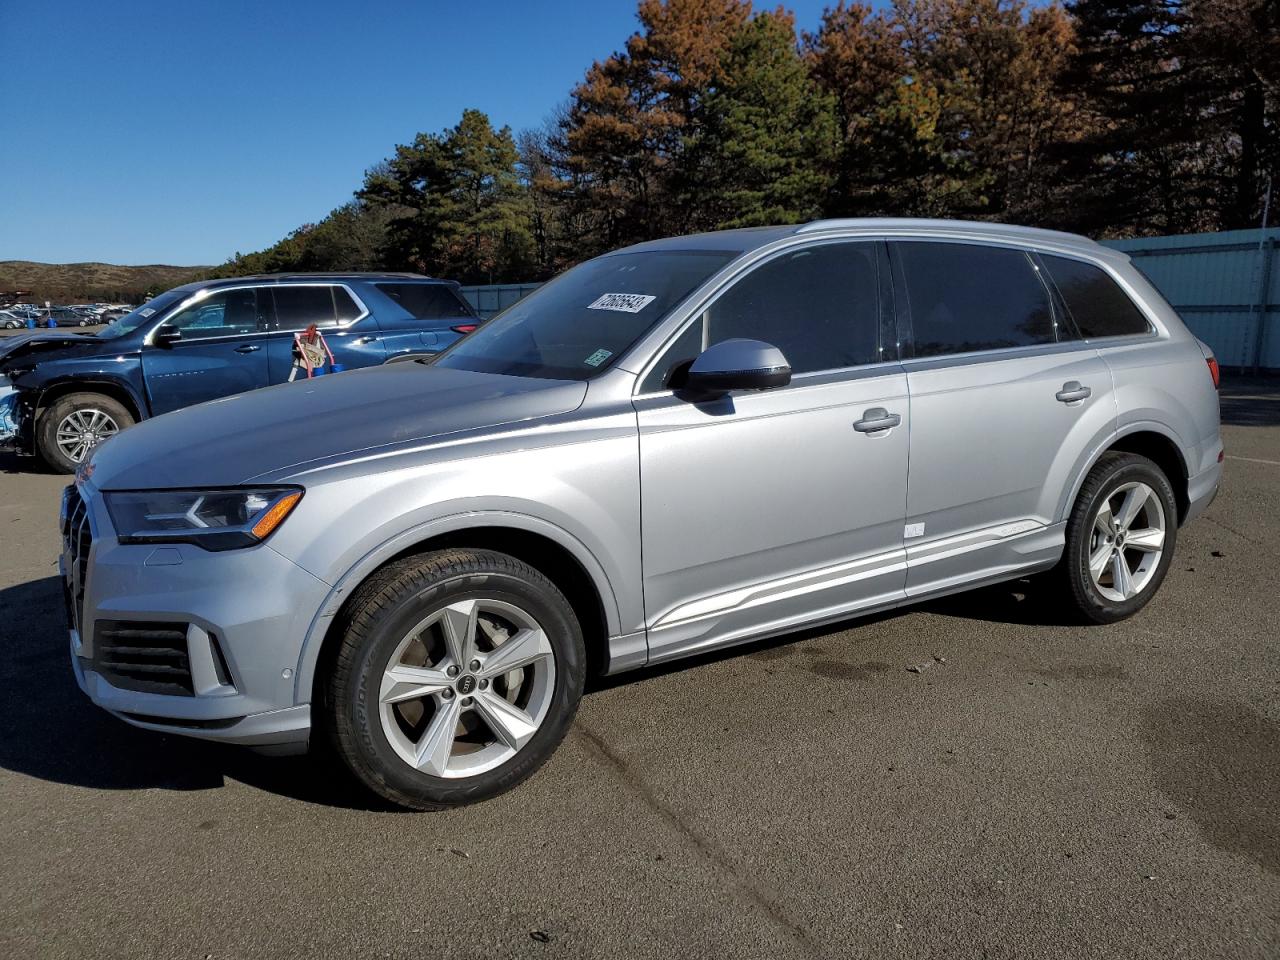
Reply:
x=63, y=393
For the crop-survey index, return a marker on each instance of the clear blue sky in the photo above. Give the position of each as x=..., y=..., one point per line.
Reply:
x=181, y=131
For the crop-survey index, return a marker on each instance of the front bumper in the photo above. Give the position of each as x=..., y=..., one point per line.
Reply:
x=244, y=614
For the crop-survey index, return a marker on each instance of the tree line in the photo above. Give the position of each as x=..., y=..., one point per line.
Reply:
x=1106, y=117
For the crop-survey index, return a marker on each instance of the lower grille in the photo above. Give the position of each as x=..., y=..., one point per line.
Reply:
x=143, y=655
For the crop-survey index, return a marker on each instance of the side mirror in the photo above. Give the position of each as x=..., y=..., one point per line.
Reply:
x=737, y=365
x=166, y=335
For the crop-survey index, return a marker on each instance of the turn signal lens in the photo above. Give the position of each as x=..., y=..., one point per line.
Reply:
x=275, y=516
x=1214, y=371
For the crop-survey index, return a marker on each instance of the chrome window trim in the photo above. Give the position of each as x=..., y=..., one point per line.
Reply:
x=682, y=315
x=199, y=295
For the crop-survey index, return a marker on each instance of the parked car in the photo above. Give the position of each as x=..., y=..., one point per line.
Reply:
x=9, y=320
x=670, y=449
x=211, y=339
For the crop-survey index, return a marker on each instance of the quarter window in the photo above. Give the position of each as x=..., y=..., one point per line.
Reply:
x=820, y=306
x=325, y=306
x=966, y=297
x=1096, y=303
x=427, y=301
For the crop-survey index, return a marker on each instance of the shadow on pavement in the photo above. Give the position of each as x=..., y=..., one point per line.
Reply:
x=50, y=730
x=1220, y=763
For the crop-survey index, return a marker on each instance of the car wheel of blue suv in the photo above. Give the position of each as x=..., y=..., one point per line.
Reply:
x=456, y=675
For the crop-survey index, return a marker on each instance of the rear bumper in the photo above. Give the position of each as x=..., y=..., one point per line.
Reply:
x=1201, y=491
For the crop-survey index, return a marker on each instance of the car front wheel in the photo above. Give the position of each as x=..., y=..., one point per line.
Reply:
x=1120, y=537
x=456, y=676
x=75, y=424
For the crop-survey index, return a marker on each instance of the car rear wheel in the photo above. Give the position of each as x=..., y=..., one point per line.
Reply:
x=456, y=676
x=1120, y=538
x=74, y=425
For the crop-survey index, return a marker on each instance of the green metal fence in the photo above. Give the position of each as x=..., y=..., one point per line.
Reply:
x=491, y=299
x=1225, y=286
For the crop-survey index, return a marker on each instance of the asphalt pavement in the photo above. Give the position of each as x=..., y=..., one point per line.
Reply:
x=1030, y=789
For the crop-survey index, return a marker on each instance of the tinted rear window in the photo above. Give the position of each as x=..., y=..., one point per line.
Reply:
x=1095, y=301
x=966, y=297
x=427, y=301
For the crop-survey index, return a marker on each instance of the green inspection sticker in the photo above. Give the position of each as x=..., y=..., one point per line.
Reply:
x=597, y=358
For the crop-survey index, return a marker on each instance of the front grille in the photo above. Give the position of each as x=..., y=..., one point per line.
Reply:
x=77, y=538
x=144, y=655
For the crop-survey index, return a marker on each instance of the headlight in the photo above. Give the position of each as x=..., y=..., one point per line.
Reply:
x=214, y=519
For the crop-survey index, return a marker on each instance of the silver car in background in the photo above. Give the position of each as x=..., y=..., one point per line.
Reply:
x=670, y=449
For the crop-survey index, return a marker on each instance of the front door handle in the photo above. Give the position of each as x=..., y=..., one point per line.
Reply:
x=875, y=419
x=247, y=348
x=1072, y=392
x=367, y=339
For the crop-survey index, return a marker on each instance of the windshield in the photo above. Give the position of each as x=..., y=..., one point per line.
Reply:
x=580, y=323
x=132, y=321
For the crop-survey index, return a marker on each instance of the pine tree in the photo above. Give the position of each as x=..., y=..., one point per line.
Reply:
x=459, y=207
x=765, y=149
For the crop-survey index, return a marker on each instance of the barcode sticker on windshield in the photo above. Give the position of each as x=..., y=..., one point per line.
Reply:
x=623, y=302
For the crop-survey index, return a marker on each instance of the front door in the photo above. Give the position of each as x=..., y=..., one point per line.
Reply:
x=221, y=351
x=765, y=510
x=1006, y=404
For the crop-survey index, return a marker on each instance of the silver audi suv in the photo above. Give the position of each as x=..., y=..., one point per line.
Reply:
x=674, y=448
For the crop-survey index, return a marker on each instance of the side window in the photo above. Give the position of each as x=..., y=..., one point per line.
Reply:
x=966, y=297
x=424, y=302
x=1096, y=303
x=820, y=306
x=224, y=313
x=299, y=307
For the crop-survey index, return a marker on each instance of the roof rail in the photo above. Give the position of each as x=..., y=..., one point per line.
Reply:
x=980, y=227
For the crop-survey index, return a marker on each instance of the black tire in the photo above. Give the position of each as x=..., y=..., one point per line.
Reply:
x=46, y=429
x=381, y=613
x=1111, y=472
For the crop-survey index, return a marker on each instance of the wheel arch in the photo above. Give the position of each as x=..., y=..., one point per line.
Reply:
x=550, y=550
x=115, y=389
x=1158, y=444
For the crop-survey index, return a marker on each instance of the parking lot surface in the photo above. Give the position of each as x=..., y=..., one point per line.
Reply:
x=1036, y=790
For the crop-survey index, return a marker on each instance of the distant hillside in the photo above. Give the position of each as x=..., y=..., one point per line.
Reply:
x=91, y=282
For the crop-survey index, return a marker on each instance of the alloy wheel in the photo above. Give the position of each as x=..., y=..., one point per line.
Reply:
x=1126, y=541
x=82, y=430
x=467, y=688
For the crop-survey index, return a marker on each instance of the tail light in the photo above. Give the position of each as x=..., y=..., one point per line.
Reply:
x=465, y=328
x=1214, y=371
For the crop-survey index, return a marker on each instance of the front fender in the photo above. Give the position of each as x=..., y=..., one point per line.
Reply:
x=420, y=533
x=128, y=384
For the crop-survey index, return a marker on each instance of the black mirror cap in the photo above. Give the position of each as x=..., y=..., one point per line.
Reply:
x=738, y=365
x=166, y=335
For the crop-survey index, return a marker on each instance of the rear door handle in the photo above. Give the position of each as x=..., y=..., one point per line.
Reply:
x=368, y=339
x=877, y=418
x=1072, y=391
x=247, y=348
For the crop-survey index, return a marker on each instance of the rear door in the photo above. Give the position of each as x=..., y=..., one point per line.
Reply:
x=422, y=318
x=772, y=508
x=1007, y=403
x=222, y=351
x=347, y=327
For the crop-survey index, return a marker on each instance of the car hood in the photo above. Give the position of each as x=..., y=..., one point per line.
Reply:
x=11, y=348
x=229, y=441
